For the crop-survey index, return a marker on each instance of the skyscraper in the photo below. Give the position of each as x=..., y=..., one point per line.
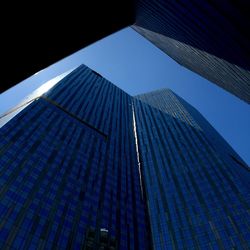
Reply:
x=87, y=166
x=197, y=187
x=210, y=38
x=69, y=172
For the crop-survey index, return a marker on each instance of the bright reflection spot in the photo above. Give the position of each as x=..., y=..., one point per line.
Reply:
x=45, y=87
x=25, y=102
x=39, y=72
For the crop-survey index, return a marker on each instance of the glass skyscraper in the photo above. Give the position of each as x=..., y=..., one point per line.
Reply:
x=69, y=171
x=87, y=166
x=197, y=187
x=210, y=38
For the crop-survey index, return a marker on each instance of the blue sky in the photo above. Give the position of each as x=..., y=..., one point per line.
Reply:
x=135, y=65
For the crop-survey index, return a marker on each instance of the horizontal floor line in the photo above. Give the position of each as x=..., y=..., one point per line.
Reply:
x=75, y=117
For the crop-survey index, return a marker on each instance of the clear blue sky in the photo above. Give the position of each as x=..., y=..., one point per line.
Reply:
x=136, y=66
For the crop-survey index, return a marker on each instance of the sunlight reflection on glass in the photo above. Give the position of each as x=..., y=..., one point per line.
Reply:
x=4, y=118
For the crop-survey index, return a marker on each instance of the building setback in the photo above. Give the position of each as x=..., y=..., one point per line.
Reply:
x=87, y=166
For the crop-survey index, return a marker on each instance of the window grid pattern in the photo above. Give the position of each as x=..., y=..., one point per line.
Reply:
x=60, y=179
x=196, y=198
x=190, y=32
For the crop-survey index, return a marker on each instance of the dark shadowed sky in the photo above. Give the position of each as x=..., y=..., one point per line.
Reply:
x=136, y=66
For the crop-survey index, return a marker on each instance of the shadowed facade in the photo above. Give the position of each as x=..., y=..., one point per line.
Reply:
x=210, y=38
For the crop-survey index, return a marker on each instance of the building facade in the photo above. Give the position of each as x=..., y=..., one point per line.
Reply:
x=69, y=171
x=197, y=187
x=211, y=38
x=87, y=166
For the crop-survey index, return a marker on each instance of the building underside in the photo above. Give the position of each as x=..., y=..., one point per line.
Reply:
x=210, y=38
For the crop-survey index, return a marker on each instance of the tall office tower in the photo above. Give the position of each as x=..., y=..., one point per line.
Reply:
x=69, y=171
x=85, y=165
x=210, y=38
x=197, y=187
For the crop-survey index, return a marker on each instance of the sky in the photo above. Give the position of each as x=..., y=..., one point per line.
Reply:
x=135, y=65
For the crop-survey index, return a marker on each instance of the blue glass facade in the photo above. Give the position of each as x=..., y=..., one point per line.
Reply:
x=86, y=166
x=197, y=187
x=69, y=171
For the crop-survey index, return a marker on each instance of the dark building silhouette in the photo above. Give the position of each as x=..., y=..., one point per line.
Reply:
x=210, y=38
x=87, y=166
x=36, y=35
